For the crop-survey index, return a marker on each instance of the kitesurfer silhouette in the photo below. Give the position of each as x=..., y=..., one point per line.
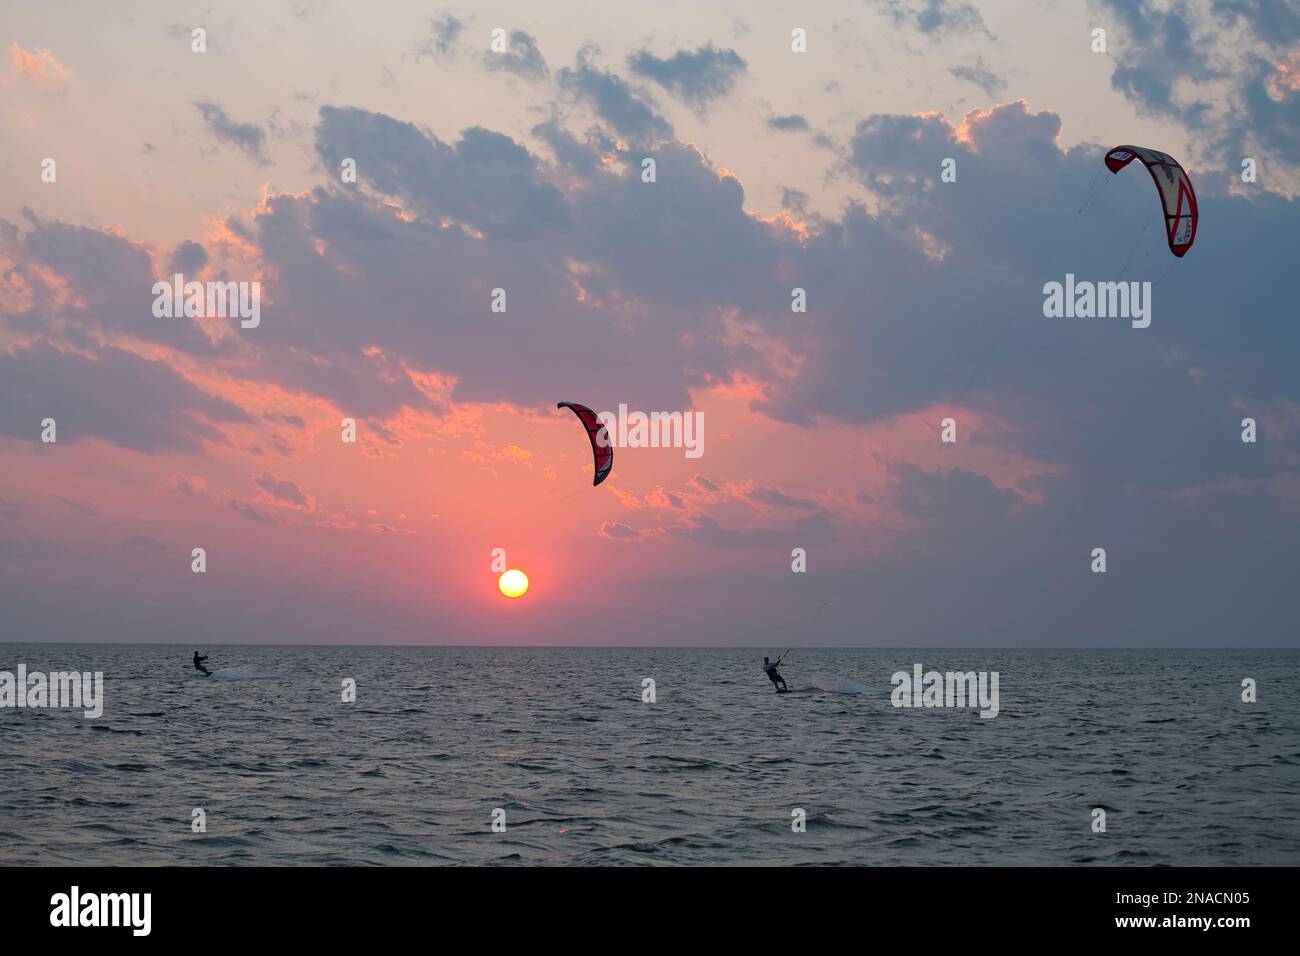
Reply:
x=774, y=675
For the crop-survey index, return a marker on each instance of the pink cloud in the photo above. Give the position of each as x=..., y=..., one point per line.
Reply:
x=39, y=68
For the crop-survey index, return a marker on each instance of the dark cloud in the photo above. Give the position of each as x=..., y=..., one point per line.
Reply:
x=296, y=421
x=440, y=279
x=1273, y=21
x=777, y=498
x=583, y=156
x=523, y=58
x=696, y=230
x=794, y=199
x=899, y=154
x=113, y=280
x=188, y=486
x=486, y=180
x=954, y=498
x=444, y=32
x=1269, y=117
x=980, y=75
x=1160, y=50
x=697, y=77
x=793, y=122
x=934, y=18
x=247, y=137
x=117, y=397
x=479, y=145
x=618, y=530
x=188, y=259
x=283, y=490
x=614, y=101
x=245, y=510
x=1214, y=68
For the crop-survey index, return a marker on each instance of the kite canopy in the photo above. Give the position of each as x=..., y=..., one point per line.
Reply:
x=602, y=449
x=1175, y=189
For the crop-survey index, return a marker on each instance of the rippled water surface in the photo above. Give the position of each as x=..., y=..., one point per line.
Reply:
x=708, y=774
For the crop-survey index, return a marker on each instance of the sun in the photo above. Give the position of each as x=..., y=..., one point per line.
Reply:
x=513, y=583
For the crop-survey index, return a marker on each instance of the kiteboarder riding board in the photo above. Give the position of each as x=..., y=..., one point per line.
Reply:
x=774, y=675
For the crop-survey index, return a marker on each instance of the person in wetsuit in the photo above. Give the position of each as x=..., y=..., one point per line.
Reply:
x=775, y=675
x=198, y=664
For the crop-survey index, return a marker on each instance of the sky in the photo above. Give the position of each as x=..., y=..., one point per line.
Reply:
x=825, y=507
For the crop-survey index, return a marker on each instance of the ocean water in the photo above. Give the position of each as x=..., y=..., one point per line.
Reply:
x=588, y=774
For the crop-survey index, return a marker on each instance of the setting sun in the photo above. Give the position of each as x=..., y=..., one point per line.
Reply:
x=513, y=583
